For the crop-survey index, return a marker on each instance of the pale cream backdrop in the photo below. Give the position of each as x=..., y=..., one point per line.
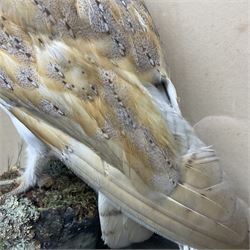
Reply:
x=206, y=44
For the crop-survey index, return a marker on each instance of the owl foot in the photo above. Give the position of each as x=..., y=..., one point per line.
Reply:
x=20, y=184
x=35, y=161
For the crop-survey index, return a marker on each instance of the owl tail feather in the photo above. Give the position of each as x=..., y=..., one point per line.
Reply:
x=118, y=230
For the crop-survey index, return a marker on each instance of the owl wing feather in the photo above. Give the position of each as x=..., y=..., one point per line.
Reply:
x=76, y=73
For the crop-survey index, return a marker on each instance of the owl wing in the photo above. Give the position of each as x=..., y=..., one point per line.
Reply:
x=81, y=66
x=75, y=73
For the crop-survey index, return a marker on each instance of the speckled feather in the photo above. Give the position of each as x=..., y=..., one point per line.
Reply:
x=82, y=65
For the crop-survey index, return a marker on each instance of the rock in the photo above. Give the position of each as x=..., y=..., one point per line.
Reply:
x=155, y=242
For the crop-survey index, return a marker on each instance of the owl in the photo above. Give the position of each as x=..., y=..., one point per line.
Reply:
x=85, y=81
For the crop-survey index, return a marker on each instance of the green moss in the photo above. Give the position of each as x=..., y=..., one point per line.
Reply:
x=64, y=190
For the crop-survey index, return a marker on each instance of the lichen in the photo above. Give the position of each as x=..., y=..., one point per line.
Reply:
x=16, y=218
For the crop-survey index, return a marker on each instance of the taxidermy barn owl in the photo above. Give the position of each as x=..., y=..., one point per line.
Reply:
x=85, y=81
